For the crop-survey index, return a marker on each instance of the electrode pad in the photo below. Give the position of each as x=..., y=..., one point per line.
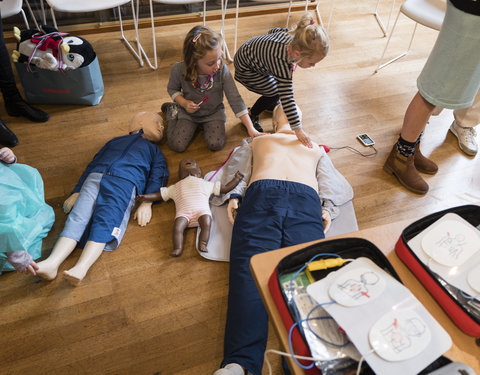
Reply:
x=393, y=331
x=399, y=335
x=450, y=247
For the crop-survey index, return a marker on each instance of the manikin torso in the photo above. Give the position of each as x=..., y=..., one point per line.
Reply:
x=281, y=156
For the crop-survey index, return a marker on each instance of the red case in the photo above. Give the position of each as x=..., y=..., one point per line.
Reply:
x=346, y=248
x=461, y=310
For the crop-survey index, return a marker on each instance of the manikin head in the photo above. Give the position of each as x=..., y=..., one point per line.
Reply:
x=280, y=122
x=151, y=124
x=189, y=167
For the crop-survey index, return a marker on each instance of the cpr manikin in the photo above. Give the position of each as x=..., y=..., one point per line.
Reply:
x=104, y=196
x=290, y=195
x=191, y=196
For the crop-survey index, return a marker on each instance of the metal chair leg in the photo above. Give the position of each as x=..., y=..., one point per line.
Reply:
x=380, y=65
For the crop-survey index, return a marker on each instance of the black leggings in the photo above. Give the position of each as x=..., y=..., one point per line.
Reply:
x=7, y=79
x=264, y=103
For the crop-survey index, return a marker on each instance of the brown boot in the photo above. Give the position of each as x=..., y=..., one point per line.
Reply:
x=422, y=163
x=404, y=170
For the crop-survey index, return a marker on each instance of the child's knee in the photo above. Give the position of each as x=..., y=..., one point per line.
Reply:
x=215, y=144
x=177, y=145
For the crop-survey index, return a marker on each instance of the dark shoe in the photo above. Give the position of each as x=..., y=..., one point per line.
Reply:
x=404, y=170
x=7, y=137
x=255, y=122
x=19, y=107
x=170, y=110
x=422, y=163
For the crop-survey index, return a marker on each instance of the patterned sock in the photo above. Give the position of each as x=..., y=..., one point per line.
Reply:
x=406, y=148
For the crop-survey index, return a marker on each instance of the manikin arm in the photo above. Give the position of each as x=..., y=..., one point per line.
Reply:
x=232, y=183
x=327, y=220
x=232, y=209
x=333, y=189
x=143, y=214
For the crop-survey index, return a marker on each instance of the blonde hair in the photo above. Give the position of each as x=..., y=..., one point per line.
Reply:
x=199, y=41
x=309, y=38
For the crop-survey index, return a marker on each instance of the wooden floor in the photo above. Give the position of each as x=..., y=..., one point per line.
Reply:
x=139, y=311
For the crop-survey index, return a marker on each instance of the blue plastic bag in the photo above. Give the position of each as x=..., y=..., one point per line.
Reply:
x=25, y=218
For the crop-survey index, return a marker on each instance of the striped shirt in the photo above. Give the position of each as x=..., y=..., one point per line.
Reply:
x=262, y=65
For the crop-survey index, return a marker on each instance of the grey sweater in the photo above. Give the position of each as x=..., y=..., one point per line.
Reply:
x=213, y=108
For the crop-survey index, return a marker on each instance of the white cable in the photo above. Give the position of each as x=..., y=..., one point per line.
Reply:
x=359, y=367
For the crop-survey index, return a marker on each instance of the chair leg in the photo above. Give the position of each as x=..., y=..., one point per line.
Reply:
x=153, y=66
x=25, y=19
x=32, y=15
x=53, y=18
x=317, y=10
x=380, y=65
x=137, y=54
x=379, y=20
x=226, y=52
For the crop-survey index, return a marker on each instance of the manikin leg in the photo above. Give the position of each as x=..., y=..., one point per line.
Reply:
x=179, y=227
x=90, y=254
x=205, y=222
x=48, y=268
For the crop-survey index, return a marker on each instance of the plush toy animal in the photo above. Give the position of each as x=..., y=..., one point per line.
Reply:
x=51, y=49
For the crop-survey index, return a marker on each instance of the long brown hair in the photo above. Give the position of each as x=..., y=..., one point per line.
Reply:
x=199, y=41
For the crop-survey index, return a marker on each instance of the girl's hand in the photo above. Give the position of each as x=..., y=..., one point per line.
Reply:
x=304, y=138
x=191, y=107
x=252, y=133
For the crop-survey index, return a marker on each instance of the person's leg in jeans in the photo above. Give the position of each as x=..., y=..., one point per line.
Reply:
x=14, y=102
x=463, y=126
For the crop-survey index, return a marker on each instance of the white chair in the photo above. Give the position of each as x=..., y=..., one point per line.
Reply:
x=429, y=13
x=80, y=6
x=13, y=7
x=154, y=65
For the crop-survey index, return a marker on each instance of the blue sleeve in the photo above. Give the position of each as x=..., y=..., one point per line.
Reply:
x=159, y=174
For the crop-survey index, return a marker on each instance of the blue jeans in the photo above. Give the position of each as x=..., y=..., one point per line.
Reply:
x=273, y=214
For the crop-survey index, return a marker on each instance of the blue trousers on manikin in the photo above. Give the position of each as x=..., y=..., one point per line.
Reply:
x=273, y=214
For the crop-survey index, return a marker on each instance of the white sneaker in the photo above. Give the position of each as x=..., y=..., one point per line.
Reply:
x=230, y=369
x=466, y=138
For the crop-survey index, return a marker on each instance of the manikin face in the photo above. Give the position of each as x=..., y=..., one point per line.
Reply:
x=189, y=167
x=210, y=63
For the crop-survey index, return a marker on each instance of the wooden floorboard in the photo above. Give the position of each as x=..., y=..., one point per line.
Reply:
x=139, y=311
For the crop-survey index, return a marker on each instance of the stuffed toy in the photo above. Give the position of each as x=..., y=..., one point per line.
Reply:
x=191, y=196
x=52, y=50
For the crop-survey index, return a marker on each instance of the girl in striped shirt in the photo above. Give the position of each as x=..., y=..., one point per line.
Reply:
x=265, y=65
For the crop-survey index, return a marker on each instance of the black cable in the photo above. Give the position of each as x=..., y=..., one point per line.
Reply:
x=355, y=150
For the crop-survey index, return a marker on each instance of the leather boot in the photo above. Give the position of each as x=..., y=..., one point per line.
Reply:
x=16, y=107
x=422, y=163
x=404, y=170
x=7, y=137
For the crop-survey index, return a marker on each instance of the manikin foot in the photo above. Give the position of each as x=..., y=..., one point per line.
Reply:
x=47, y=270
x=202, y=246
x=176, y=252
x=74, y=275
